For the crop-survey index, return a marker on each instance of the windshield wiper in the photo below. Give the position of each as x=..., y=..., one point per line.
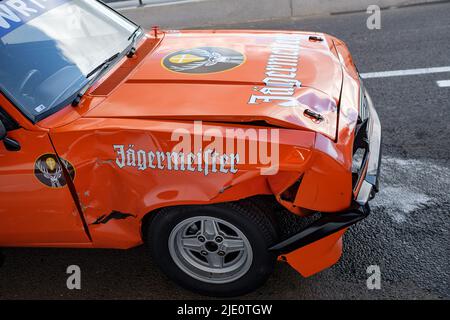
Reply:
x=131, y=49
x=98, y=71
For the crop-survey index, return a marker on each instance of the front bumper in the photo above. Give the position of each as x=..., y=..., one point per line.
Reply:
x=320, y=233
x=370, y=181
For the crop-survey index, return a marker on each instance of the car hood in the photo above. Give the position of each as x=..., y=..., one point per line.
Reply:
x=237, y=77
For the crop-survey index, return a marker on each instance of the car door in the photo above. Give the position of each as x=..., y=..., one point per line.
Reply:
x=36, y=204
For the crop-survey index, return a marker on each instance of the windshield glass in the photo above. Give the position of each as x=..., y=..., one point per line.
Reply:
x=48, y=47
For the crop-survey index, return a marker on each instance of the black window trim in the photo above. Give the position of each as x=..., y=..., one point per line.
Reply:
x=9, y=122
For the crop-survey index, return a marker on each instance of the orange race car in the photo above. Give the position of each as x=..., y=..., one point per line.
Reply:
x=211, y=147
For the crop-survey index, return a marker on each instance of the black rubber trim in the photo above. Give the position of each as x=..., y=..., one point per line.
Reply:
x=328, y=224
x=8, y=121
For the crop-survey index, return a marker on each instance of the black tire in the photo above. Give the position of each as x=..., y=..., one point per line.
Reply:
x=252, y=221
x=2, y=258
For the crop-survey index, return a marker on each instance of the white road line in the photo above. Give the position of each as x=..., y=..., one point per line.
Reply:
x=400, y=73
x=443, y=83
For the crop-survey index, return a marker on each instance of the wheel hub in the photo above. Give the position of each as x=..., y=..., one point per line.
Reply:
x=211, y=246
x=210, y=249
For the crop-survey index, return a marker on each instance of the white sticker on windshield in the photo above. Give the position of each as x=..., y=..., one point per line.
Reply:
x=40, y=108
x=14, y=13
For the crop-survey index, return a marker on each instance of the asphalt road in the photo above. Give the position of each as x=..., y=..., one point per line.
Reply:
x=407, y=234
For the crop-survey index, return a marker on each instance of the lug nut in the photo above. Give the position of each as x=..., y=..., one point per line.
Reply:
x=204, y=253
x=219, y=239
x=221, y=253
x=201, y=239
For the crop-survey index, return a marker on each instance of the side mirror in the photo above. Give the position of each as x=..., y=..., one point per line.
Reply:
x=10, y=144
x=2, y=131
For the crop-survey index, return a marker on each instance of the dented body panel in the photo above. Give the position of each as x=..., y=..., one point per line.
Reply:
x=103, y=186
x=130, y=115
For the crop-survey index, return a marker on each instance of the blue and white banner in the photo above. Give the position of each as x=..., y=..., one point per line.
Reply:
x=15, y=13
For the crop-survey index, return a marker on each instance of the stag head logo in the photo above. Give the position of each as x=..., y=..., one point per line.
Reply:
x=203, y=60
x=49, y=171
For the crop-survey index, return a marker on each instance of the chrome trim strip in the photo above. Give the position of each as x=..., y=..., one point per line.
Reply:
x=370, y=184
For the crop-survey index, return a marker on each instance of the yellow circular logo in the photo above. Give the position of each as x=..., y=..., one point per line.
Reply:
x=49, y=171
x=203, y=60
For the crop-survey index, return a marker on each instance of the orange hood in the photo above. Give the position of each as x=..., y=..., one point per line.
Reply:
x=231, y=76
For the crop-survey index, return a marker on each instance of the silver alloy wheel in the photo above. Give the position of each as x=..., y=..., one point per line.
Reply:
x=210, y=249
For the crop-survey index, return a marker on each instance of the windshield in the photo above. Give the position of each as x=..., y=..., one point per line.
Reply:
x=48, y=47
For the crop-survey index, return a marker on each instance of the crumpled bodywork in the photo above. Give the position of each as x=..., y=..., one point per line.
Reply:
x=316, y=256
x=319, y=163
x=133, y=112
x=102, y=186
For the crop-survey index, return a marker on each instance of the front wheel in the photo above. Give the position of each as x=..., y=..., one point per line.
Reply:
x=218, y=250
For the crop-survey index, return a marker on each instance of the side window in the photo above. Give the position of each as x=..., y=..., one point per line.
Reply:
x=9, y=123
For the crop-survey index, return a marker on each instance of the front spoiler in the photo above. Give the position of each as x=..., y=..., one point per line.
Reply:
x=328, y=224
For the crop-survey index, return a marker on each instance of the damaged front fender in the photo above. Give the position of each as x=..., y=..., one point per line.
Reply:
x=124, y=172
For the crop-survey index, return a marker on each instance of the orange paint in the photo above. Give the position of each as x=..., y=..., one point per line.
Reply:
x=140, y=102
